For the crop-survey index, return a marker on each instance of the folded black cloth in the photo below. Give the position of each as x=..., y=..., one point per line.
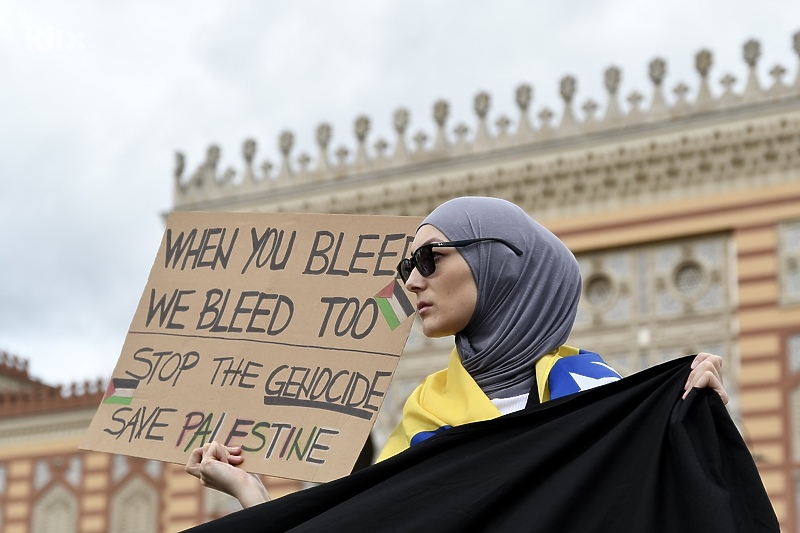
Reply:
x=630, y=456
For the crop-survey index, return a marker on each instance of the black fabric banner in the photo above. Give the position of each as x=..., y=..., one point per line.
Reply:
x=630, y=456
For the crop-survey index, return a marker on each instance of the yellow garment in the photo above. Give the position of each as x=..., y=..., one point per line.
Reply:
x=545, y=364
x=451, y=397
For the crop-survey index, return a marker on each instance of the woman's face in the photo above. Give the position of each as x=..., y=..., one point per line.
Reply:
x=446, y=299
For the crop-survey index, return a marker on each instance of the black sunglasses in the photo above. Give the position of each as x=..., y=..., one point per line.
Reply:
x=423, y=259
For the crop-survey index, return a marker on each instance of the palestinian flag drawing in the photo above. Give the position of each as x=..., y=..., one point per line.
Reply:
x=120, y=391
x=394, y=304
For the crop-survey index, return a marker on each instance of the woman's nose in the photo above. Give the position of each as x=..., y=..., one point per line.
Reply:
x=414, y=281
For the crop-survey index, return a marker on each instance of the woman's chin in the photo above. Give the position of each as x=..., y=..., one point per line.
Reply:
x=433, y=331
x=430, y=331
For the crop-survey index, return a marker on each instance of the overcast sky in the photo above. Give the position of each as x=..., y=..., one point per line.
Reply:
x=96, y=97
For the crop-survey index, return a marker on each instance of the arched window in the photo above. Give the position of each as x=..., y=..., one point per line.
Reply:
x=134, y=507
x=56, y=511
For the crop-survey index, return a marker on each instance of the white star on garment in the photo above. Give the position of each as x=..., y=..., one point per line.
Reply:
x=587, y=382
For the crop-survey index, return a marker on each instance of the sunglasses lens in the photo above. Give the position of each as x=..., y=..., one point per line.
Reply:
x=424, y=258
x=404, y=269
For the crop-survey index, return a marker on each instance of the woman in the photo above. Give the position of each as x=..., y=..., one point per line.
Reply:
x=508, y=289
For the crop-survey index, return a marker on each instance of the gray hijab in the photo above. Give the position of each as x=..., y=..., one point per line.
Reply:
x=526, y=304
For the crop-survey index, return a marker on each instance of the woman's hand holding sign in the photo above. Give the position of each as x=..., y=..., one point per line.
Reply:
x=217, y=467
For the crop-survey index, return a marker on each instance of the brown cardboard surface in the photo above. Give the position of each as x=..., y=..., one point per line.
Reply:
x=269, y=331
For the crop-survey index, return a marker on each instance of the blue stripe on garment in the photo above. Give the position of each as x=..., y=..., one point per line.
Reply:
x=425, y=435
x=568, y=375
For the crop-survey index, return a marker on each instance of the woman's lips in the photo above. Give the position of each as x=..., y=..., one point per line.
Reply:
x=422, y=307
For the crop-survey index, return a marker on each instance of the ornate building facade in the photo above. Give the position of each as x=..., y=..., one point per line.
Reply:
x=47, y=485
x=683, y=211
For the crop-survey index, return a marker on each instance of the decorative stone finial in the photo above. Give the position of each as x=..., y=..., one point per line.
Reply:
x=341, y=155
x=590, y=108
x=482, y=100
x=380, y=147
x=180, y=164
x=482, y=140
x=400, y=120
x=682, y=105
x=777, y=72
x=752, y=51
x=207, y=173
x=502, y=124
x=567, y=88
x=461, y=132
x=524, y=96
x=778, y=87
x=611, y=78
x=249, y=150
x=324, y=132
x=401, y=117
x=420, y=138
x=441, y=109
x=286, y=142
x=728, y=81
x=361, y=160
x=681, y=90
x=212, y=155
x=362, y=128
x=323, y=136
x=658, y=70
x=635, y=99
x=266, y=168
x=304, y=160
x=728, y=97
x=703, y=61
x=546, y=116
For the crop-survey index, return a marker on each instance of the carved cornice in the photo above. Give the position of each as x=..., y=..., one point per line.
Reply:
x=21, y=394
x=757, y=146
x=48, y=399
x=655, y=151
x=14, y=372
x=45, y=426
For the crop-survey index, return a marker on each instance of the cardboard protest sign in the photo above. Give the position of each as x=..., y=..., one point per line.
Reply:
x=276, y=332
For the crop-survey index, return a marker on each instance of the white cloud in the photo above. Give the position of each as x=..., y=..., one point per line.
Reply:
x=89, y=133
